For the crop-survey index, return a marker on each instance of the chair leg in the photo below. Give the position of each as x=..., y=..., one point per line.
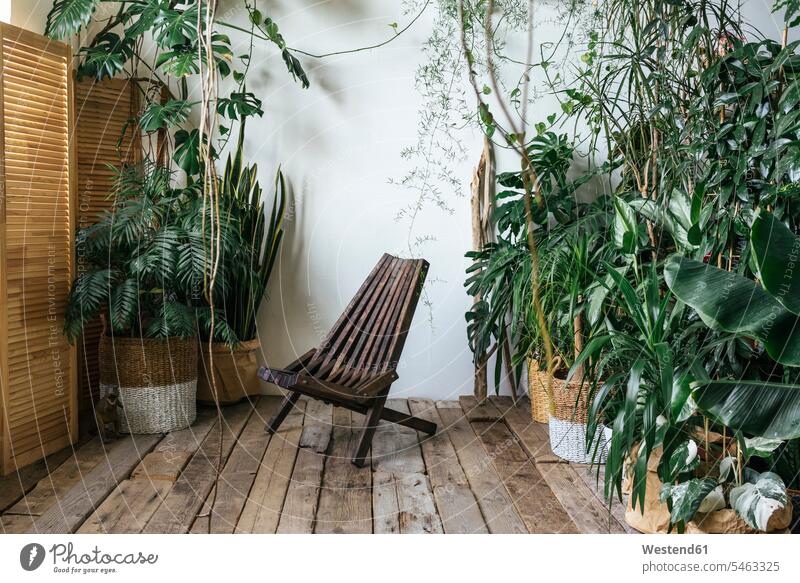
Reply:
x=288, y=404
x=365, y=441
x=407, y=420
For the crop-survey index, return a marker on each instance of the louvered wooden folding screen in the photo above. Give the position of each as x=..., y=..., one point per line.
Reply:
x=37, y=219
x=105, y=136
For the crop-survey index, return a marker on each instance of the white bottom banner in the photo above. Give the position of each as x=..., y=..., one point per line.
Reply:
x=334, y=558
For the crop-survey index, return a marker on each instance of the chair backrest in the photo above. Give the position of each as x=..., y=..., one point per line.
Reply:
x=368, y=338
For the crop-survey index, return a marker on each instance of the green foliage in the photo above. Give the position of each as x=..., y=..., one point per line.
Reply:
x=706, y=141
x=187, y=151
x=105, y=57
x=157, y=116
x=176, y=30
x=249, y=263
x=684, y=499
x=500, y=273
x=240, y=105
x=131, y=275
x=67, y=17
x=736, y=304
x=792, y=8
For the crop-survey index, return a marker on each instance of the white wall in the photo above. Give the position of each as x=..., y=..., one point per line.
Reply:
x=28, y=14
x=340, y=143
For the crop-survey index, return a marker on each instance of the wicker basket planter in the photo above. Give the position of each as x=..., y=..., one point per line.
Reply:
x=235, y=372
x=537, y=391
x=157, y=381
x=568, y=425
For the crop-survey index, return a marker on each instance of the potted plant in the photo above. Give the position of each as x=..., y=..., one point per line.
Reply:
x=138, y=278
x=571, y=248
x=229, y=371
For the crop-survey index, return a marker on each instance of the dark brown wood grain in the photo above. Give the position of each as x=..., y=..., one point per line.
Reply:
x=356, y=363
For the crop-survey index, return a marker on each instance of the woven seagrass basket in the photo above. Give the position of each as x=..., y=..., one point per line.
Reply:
x=157, y=381
x=537, y=391
x=568, y=425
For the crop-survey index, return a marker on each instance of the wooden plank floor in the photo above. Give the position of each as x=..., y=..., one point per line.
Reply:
x=489, y=469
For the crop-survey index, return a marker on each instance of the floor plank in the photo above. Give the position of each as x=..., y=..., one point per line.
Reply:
x=128, y=508
x=15, y=486
x=455, y=502
x=239, y=472
x=302, y=497
x=262, y=510
x=345, y=502
x=402, y=498
x=534, y=500
x=495, y=474
x=534, y=437
x=581, y=503
x=54, y=486
x=476, y=410
x=179, y=508
x=83, y=498
x=493, y=499
x=589, y=477
x=17, y=523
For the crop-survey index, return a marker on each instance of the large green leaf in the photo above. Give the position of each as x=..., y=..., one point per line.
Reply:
x=625, y=226
x=157, y=116
x=105, y=57
x=777, y=254
x=770, y=410
x=732, y=303
x=66, y=17
x=187, y=151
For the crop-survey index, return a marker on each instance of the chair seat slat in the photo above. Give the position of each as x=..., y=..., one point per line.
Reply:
x=356, y=364
x=366, y=362
x=357, y=300
x=337, y=340
x=361, y=326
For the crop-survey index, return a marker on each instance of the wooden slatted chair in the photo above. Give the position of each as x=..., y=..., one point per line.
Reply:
x=356, y=364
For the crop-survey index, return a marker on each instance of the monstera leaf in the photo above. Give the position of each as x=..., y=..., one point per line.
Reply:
x=157, y=116
x=106, y=56
x=684, y=499
x=756, y=502
x=66, y=17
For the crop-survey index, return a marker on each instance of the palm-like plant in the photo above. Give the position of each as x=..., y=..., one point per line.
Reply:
x=139, y=264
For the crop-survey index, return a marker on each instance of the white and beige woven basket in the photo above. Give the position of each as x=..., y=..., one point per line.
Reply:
x=156, y=379
x=569, y=425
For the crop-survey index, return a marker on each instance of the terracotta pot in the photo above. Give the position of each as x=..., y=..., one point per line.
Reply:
x=235, y=372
